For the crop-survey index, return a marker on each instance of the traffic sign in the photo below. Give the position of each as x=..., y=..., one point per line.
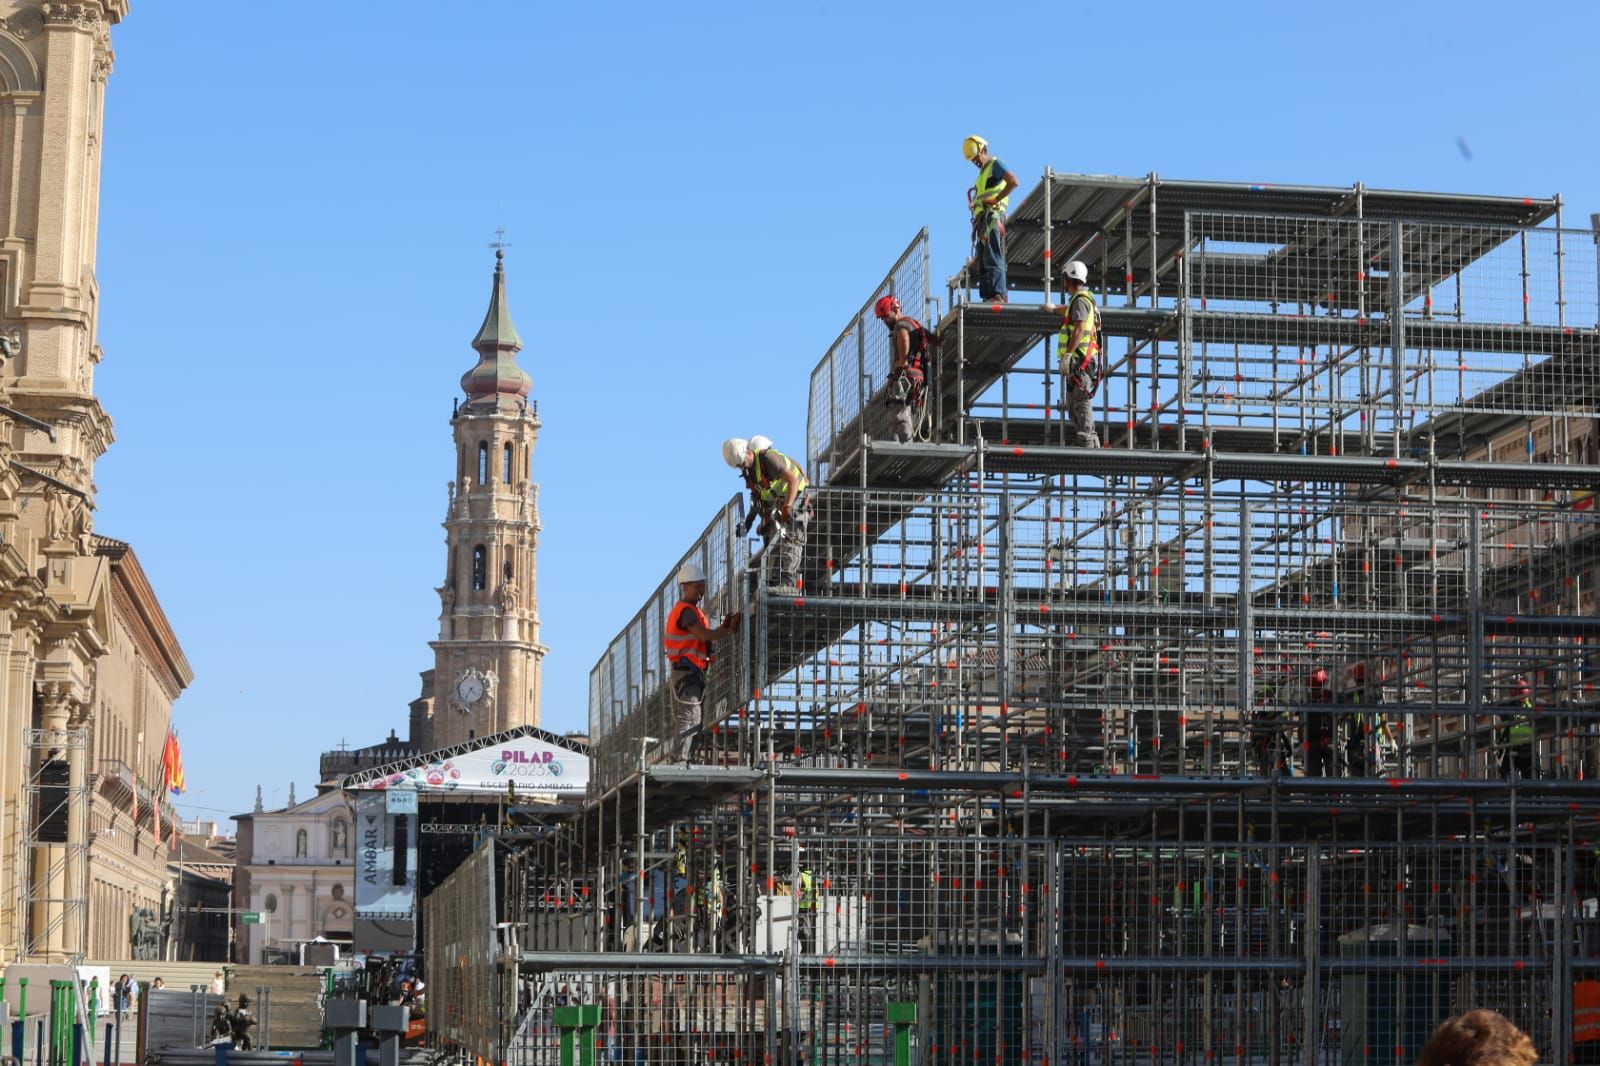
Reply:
x=250, y=918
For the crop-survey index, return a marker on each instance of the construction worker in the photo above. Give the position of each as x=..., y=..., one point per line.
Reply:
x=778, y=494
x=908, y=354
x=687, y=637
x=1078, y=349
x=806, y=908
x=1516, y=734
x=988, y=199
x=1316, y=732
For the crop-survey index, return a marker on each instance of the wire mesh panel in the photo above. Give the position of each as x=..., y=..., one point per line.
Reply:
x=628, y=701
x=853, y=372
x=1350, y=332
x=668, y=1016
x=460, y=918
x=1092, y=631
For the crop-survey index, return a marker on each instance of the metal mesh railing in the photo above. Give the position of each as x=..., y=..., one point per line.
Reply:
x=628, y=701
x=856, y=366
x=1096, y=632
x=1362, y=330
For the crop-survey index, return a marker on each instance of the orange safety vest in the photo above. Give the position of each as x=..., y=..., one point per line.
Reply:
x=679, y=644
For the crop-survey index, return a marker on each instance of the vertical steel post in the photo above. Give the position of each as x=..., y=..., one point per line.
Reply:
x=1185, y=339
x=1561, y=274
x=1049, y=248
x=1474, y=692
x=1397, y=330
x=1312, y=993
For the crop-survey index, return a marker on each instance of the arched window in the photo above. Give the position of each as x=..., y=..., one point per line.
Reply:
x=480, y=568
x=505, y=464
x=483, y=462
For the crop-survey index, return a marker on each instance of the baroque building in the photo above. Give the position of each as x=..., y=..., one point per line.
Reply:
x=92, y=665
x=294, y=869
x=487, y=659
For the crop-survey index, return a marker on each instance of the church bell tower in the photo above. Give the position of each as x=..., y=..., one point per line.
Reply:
x=487, y=660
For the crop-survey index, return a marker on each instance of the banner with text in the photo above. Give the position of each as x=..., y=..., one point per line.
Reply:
x=386, y=862
x=533, y=765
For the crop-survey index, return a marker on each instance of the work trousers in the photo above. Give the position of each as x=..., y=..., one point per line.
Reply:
x=989, y=255
x=688, y=686
x=902, y=422
x=1080, y=412
x=790, y=549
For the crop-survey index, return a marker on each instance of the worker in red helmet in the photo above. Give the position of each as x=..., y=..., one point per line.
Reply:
x=1316, y=726
x=908, y=357
x=1361, y=724
x=1517, y=742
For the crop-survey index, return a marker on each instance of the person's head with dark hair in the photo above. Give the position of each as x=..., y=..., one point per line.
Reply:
x=1478, y=1038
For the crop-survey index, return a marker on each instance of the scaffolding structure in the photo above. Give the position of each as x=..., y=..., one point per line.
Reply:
x=1267, y=732
x=54, y=847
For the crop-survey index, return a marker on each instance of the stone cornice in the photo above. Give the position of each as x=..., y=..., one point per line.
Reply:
x=135, y=601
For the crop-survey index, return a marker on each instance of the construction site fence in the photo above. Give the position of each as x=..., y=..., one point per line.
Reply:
x=631, y=713
x=470, y=1007
x=1037, y=949
x=853, y=372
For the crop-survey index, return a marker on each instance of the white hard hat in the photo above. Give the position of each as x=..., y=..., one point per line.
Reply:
x=733, y=450
x=1076, y=270
x=690, y=572
x=758, y=443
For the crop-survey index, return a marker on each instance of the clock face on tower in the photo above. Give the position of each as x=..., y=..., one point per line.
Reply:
x=472, y=689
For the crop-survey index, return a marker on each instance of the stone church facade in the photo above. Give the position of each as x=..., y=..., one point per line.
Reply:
x=92, y=666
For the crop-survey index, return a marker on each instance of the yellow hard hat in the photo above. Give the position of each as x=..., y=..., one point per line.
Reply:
x=972, y=146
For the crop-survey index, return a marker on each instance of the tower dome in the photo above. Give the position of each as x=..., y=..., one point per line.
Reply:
x=497, y=374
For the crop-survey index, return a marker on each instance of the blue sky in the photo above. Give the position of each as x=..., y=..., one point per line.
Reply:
x=297, y=201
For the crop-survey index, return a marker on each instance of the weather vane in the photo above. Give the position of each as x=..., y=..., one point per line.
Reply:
x=499, y=243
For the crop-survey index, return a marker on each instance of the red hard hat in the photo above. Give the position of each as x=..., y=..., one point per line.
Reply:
x=1520, y=686
x=1319, y=676
x=887, y=306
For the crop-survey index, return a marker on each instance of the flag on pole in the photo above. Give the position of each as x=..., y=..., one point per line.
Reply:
x=172, y=764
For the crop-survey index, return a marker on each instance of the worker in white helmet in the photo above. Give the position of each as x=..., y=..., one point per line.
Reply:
x=778, y=494
x=687, y=637
x=988, y=199
x=1078, y=348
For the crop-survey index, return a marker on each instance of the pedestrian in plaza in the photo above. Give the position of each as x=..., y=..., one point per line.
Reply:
x=1078, y=350
x=908, y=365
x=988, y=199
x=1478, y=1038
x=779, y=496
x=686, y=638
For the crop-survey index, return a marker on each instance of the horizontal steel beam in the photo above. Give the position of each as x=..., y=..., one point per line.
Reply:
x=635, y=962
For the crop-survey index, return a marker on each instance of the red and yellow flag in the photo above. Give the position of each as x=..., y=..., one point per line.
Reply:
x=172, y=764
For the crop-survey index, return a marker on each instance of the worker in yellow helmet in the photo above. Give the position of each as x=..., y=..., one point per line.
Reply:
x=988, y=199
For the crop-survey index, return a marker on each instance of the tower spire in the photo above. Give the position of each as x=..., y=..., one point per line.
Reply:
x=497, y=374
